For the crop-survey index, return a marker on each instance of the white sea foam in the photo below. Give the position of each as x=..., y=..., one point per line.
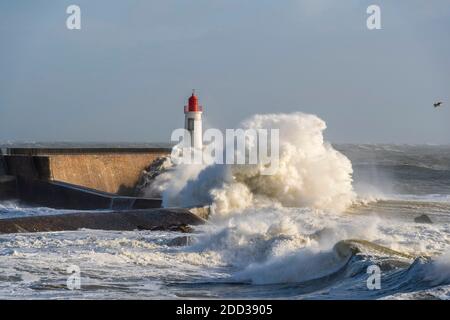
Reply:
x=311, y=173
x=439, y=269
x=265, y=230
x=261, y=246
x=253, y=228
x=11, y=209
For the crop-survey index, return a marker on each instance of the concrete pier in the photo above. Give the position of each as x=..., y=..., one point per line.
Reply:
x=87, y=179
x=8, y=187
x=2, y=164
x=111, y=170
x=84, y=178
x=61, y=195
x=175, y=219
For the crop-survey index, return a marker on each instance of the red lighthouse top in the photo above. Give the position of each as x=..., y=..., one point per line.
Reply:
x=193, y=104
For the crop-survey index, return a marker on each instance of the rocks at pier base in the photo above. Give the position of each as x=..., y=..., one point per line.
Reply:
x=173, y=219
x=423, y=219
x=203, y=212
x=180, y=241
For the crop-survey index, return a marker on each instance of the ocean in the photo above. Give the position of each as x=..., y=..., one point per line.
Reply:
x=266, y=249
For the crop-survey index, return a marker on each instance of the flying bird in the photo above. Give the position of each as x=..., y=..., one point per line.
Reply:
x=437, y=104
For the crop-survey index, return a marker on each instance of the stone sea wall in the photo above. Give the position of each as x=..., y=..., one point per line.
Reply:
x=114, y=171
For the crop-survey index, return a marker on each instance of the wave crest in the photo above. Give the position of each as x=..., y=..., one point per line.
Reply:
x=311, y=173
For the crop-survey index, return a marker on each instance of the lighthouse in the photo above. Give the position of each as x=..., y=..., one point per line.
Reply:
x=193, y=121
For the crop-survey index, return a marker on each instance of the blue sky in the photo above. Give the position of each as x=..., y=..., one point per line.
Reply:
x=126, y=74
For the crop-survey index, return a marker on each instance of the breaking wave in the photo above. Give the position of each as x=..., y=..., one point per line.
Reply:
x=311, y=173
x=288, y=228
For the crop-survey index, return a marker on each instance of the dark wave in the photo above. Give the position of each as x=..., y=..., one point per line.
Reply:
x=400, y=273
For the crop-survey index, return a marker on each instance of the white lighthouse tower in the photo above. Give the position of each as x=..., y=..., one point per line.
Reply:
x=193, y=121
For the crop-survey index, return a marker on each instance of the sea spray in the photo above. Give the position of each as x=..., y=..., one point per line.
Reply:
x=289, y=249
x=310, y=173
x=438, y=271
x=252, y=227
x=281, y=245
